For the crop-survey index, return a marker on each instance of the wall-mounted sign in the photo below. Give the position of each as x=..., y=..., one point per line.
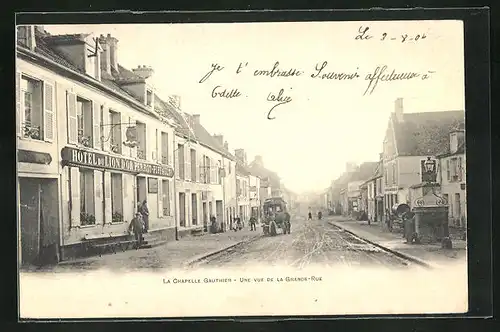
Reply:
x=33, y=157
x=71, y=156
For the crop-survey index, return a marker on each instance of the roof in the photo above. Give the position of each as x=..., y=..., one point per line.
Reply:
x=460, y=150
x=265, y=174
x=43, y=40
x=172, y=114
x=426, y=133
x=364, y=171
x=241, y=169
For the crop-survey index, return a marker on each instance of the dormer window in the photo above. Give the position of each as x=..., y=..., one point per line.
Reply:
x=26, y=36
x=149, y=98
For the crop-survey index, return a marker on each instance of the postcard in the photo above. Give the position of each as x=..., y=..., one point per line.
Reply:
x=241, y=169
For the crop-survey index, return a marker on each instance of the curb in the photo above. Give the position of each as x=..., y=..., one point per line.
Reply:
x=215, y=252
x=392, y=251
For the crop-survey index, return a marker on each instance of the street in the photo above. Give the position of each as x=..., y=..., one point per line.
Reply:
x=310, y=242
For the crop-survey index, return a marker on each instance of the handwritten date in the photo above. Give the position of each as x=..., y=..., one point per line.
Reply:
x=364, y=34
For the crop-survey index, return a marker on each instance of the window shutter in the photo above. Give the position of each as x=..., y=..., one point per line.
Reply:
x=108, y=214
x=448, y=173
x=158, y=144
x=98, y=201
x=18, y=104
x=72, y=118
x=75, y=195
x=176, y=157
x=460, y=170
x=96, y=121
x=187, y=164
x=160, y=198
x=48, y=112
x=106, y=130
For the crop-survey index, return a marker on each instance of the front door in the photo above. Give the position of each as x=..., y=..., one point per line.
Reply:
x=141, y=189
x=182, y=209
x=30, y=212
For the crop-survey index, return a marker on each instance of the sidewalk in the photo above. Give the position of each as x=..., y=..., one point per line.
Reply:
x=432, y=254
x=174, y=254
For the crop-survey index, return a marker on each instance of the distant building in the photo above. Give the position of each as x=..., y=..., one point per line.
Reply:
x=409, y=140
x=452, y=178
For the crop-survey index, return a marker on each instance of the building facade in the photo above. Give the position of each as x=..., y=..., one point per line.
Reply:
x=452, y=179
x=255, y=201
x=97, y=122
x=410, y=139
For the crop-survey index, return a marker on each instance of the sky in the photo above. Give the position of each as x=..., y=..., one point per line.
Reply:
x=327, y=122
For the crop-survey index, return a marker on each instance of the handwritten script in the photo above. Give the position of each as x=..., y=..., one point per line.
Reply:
x=321, y=71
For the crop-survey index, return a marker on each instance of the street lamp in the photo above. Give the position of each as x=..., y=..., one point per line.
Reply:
x=429, y=165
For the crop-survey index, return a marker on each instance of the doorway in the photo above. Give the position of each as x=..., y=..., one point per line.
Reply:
x=194, y=207
x=141, y=189
x=182, y=209
x=205, y=216
x=220, y=212
x=39, y=221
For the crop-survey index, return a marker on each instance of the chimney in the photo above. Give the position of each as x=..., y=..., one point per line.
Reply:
x=457, y=138
x=143, y=71
x=113, y=49
x=26, y=36
x=226, y=146
x=196, y=118
x=398, y=109
x=106, y=56
x=219, y=139
x=176, y=101
x=241, y=155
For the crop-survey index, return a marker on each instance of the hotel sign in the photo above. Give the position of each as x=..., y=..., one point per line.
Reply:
x=72, y=156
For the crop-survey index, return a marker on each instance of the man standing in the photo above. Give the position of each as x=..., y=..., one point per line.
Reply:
x=137, y=226
x=143, y=209
x=252, y=223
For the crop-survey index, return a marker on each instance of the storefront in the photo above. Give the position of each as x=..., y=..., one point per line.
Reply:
x=102, y=192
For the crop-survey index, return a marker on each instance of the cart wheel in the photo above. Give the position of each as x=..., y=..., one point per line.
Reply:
x=273, y=228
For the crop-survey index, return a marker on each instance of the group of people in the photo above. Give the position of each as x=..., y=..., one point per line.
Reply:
x=320, y=215
x=140, y=222
x=238, y=224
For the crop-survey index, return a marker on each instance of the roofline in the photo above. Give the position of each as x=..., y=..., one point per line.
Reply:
x=204, y=145
x=28, y=53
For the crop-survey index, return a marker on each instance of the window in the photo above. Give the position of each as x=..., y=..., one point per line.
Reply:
x=84, y=121
x=193, y=165
x=393, y=167
x=454, y=169
x=208, y=170
x=166, y=197
x=164, y=148
x=386, y=177
x=115, y=132
x=181, y=162
x=141, y=140
x=149, y=98
x=219, y=170
x=116, y=198
x=87, y=197
x=155, y=155
x=32, y=108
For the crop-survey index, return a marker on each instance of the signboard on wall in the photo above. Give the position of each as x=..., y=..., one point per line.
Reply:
x=80, y=157
x=152, y=185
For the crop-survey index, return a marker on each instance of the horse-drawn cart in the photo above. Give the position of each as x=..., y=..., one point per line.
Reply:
x=275, y=216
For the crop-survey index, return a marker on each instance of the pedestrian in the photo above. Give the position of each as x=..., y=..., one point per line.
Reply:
x=310, y=216
x=137, y=226
x=253, y=220
x=143, y=209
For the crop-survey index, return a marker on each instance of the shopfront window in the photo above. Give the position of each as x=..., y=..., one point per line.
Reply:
x=87, y=197
x=116, y=198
